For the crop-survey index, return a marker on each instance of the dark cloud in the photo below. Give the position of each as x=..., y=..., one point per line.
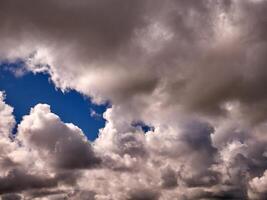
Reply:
x=83, y=195
x=94, y=22
x=45, y=193
x=143, y=194
x=17, y=180
x=11, y=197
x=169, y=178
x=232, y=194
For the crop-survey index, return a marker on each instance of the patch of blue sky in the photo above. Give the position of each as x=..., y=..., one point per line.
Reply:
x=24, y=90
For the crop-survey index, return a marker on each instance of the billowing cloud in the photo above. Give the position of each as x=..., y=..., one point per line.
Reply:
x=195, y=71
x=258, y=187
x=195, y=55
x=7, y=119
x=44, y=132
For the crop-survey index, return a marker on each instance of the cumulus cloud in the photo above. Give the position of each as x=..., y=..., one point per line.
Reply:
x=195, y=71
x=45, y=133
x=7, y=119
x=258, y=187
x=196, y=56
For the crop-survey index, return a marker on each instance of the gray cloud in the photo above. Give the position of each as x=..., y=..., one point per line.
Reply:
x=11, y=197
x=143, y=194
x=195, y=71
x=169, y=178
x=17, y=181
x=194, y=55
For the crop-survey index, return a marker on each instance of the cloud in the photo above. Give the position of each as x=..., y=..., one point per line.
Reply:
x=45, y=133
x=7, y=119
x=169, y=178
x=11, y=197
x=194, y=71
x=59, y=151
x=258, y=187
x=197, y=56
x=143, y=194
x=16, y=181
x=167, y=162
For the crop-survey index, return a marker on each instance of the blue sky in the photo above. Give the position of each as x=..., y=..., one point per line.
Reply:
x=24, y=92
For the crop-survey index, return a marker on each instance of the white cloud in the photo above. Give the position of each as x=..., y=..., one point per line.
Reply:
x=194, y=70
x=7, y=119
x=258, y=187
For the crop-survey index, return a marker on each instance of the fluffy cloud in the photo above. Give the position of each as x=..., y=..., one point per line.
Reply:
x=7, y=119
x=124, y=163
x=258, y=187
x=44, y=132
x=195, y=71
x=197, y=56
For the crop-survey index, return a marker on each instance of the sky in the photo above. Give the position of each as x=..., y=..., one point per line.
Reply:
x=24, y=90
x=133, y=100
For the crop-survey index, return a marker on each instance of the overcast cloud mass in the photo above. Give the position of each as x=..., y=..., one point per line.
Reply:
x=194, y=70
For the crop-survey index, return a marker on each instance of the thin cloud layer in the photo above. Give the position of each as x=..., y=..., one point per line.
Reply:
x=195, y=71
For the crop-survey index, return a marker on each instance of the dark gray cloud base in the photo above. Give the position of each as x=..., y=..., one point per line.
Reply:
x=195, y=71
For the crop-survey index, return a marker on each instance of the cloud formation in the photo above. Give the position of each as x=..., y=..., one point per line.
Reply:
x=195, y=71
